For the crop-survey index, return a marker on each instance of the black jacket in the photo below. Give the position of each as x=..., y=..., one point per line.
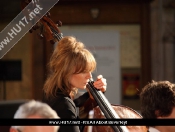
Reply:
x=66, y=109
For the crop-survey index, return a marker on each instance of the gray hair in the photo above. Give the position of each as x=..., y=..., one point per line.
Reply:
x=35, y=108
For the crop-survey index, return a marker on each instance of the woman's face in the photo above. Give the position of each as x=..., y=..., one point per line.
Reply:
x=80, y=80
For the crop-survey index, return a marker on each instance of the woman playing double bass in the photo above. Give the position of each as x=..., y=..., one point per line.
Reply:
x=70, y=69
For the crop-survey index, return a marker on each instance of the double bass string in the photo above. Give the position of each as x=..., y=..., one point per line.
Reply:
x=110, y=114
x=110, y=111
x=58, y=35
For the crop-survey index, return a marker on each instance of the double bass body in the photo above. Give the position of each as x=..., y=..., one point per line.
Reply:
x=123, y=112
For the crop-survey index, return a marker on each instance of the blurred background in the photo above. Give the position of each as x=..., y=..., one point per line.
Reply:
x=132, y=40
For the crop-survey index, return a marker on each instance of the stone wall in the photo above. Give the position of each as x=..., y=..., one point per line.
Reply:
x=162, y=40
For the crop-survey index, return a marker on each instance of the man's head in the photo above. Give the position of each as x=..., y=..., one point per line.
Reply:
x=35, y=109
x=158, y=99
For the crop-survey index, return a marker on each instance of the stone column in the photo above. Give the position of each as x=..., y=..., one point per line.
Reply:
x=162, y=40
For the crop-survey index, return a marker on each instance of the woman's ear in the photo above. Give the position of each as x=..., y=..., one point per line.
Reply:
x=12, y=130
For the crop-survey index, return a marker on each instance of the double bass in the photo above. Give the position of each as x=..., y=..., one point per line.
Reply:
x=50, y=31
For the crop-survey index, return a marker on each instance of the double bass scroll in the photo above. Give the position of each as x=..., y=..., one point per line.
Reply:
x=48, y=29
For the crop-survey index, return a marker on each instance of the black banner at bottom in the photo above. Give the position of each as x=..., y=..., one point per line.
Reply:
x=89, y=122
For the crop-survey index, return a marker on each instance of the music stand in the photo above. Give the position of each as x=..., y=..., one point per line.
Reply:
x=10, y=70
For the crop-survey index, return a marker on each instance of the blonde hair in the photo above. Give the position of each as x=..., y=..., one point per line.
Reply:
x=69, y=57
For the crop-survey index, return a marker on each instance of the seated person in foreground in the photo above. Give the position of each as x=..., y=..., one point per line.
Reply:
x=35, y=109
x=158, y=102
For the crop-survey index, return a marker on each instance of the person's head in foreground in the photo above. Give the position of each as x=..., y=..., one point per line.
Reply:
x=35, y=109
x=158, y=102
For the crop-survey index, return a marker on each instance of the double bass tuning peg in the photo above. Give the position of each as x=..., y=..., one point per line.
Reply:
x=30, y=31
x=35, y=27
x=48, y=14
x=59, y=23
x=40, y=36
x=52, y=42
